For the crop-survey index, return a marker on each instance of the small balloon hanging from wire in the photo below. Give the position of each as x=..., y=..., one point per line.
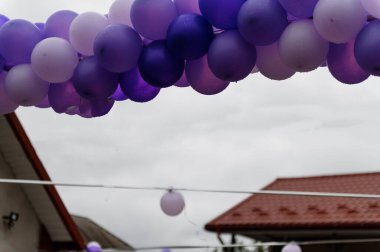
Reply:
x=93, y=246
x=292, y=247
x=172, y=203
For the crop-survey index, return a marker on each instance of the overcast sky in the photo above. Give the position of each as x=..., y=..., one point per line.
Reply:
x=242, y=139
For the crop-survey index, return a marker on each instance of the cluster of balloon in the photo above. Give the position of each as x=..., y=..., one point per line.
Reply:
x=292, y=247
x=82, y=64
x=172, y=203
x=93, y=247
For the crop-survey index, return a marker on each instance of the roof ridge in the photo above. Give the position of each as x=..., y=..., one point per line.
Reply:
x=327, y=176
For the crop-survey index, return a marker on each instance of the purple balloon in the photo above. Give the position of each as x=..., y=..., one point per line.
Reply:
x=3, y=20
x=158, y=66
x=58, y=24
x=2, y=63
x=202, y=79
x=119, y=95
x=135, y=88
x=40, y=26
x=261, y=22
x=231, y=57
x=221, y=13
x=187, y=6
x=101, y=107
x=189, y=36
x=183, y=82
x=6, y=104
x=299, y=8
x=91, y=81
x=17, y=40
x=117, y=48
x=367, y=51
x=44, y=103
x=342, y=64
x=63, y=96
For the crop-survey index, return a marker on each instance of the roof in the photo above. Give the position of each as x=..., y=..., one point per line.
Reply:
x=18, y=152
x=91, y=231
x=275, y=212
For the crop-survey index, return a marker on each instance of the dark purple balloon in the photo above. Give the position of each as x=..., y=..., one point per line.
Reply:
x=117, y=48
x=3, y=19
x=189, y=36
x=135, y=88
x=221, y=13
x=58, y=24
x=367, y=51
x=119, y=95
x=231, y=57
x=299, y=8
x=17, y=40
x=91, y=81
x=2, y=63
x=261, y=22
x=101, y=107
x=158, y=66
x=342, y=64
x=63, y=96
x=44, y=103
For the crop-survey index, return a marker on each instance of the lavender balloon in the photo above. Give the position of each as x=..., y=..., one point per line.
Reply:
x=187, y=6
x=120, y=12
x=44, y=103
x=119, y=95
x=261, y=22
x=151, y=18
x=372, y=7
x=91, y=81
x=189, y=36
x=291, y=247
x=301, y=47
x=24, y=87
x=367, y=51
x=299, y=8
x=172, y=203
x=3, y=19
x=101, y=107
x=231, y=57
x=54, y=60
x=270, y=63
x=6, y=104
x=135, y=88
x=202, y=79
x=17, y=40
x=342, y=64
x=183, y=82
x=117, y=48
x=58, y=24
x=63, y=96
x=221, y=13
x=93, y=247
x=158, y=66
x=339, y=21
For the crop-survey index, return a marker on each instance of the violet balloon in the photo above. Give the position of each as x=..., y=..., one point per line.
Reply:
x=2, y=63
x=231, y=57
x=101, y=107
x=261, y=22
x=367, y=51
x=119, y=95
x=93, y=247
x=151, y=18
x=44, y=103
x=63, y=96
x=189, y=36
x=299, y=8
x=135, y=88
x=158, y=66
x=117, y=48
x=41, y=26
x=202, y=79
x=6, y=104
x=183, y=82
x=221, y=13
x=3, y=19
x=58, y=24
x=91, y=81
x=187, y=6
x=18, y=37
x=342, y=64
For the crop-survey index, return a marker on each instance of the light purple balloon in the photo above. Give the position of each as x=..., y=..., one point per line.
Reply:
x=63, y=96
x=202, y=79
x=183, y=82
x=93, y=247
x=299, y=8
x=372, y=7
x=58, y=24
x=6, y=104
x=301, y=47
x=44, y=103
x=270, y=63
x=120, y=12
x=291, y=247
x=187, y=6
x=342, y=64
x=18, y=37
x=24, y=87
x=172, y=203
x=151, y=18
x=339, y=21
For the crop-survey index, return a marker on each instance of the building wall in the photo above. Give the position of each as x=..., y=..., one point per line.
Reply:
x=24, y=236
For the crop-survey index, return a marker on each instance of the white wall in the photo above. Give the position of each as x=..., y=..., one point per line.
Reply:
x=24, y=236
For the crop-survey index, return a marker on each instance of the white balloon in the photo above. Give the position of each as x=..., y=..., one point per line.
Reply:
x=54, y=60
x=270, y=63
x=84, y=29
x=291, y=247
x=6, y=104
x=301, y=47
x=172, y=203
x=24, y=87
x=372, y=7
x=120, y=12
x=339, y=21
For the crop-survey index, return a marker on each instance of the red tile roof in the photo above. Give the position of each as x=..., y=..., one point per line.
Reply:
x=275, y=212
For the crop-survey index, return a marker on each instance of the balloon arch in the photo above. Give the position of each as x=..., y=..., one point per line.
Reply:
x=82, y=64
